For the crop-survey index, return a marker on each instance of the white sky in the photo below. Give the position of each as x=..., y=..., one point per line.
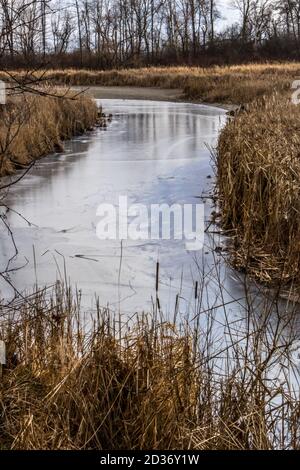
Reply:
x=229, y=14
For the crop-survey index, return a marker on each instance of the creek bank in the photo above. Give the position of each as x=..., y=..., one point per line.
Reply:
x=33, y=126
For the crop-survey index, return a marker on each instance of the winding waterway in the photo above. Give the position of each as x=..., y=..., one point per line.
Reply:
x=153, y=153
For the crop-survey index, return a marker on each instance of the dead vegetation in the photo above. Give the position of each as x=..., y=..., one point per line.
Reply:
x=214, y=384
x=32, y=125
x=232, y=84
x=258, y=170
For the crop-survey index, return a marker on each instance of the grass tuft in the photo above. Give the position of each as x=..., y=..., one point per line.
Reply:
x=258, y=170
x=32, y=126
x=75, y=383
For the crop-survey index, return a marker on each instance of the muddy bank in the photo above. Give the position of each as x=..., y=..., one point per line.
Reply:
x=133, y=93
x=146, y=93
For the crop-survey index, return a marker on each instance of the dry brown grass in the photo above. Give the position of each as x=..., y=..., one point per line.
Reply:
x=232, y=84
x=32, y=126
x=258, y=169
x=158, y=386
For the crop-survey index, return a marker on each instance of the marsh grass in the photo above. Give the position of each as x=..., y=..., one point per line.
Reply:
x=258, y=180
x=79, y=382
x=32, y=126
x=233, y=84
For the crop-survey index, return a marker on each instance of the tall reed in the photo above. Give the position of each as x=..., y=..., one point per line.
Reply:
x=258, y=176
x=73, y=382
x=32, y=125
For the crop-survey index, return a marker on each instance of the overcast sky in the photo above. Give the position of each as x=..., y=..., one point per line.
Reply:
x=229, y=14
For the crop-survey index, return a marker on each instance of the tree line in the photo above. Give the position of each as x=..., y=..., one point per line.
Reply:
x=115, y=33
